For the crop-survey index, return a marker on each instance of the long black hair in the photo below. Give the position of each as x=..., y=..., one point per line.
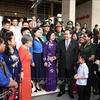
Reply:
x=2, y=63
x=34, y=31
x=7, y=36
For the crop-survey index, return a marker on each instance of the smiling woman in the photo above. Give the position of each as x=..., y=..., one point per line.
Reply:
x=88, y=49
x=11, y=57
x=49, y=51
x=5, y=76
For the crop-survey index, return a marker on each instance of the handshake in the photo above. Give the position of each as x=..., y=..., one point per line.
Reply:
x=52, y=58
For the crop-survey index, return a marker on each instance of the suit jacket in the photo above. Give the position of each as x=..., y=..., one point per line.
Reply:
x=95, y=32
x=98, y=52
x=96, y=42
x=97, y=57
x=68, y=58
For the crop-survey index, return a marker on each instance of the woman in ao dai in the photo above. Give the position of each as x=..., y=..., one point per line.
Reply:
x=49, y=54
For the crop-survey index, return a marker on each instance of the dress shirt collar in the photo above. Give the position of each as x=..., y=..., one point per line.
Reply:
x=68, y=41
x=83, y=64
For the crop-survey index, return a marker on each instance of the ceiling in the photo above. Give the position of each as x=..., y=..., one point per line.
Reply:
x=56, y=1
x=78, y=2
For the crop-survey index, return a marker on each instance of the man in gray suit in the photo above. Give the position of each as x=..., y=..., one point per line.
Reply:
x=67, y=53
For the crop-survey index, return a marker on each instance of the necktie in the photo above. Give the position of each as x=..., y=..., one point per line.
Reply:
x=66, y=45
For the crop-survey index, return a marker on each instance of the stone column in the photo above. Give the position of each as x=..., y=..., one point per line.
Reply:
x=95, y=18
x=68, y=10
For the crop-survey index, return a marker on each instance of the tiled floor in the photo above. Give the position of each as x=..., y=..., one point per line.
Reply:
x=43, y=92
x=39, y=93
x=64, y=97
x=42, y=95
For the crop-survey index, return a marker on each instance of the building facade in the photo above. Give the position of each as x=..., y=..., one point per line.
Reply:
x=85, y=11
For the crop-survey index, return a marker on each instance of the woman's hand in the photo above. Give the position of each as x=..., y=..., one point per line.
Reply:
x=12, y=84
x=33, y=64
x=21, y=76
x=45, y=64
x=97, y=62
x=52, y=58
x=16, y=85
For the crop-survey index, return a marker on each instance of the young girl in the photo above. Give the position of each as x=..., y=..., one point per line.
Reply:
x=50, y=66
x=81, y=76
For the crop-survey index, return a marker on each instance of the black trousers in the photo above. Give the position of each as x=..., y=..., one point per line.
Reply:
x=88, y=86
x=66, y=76
x=81, y=91
x=98, y=73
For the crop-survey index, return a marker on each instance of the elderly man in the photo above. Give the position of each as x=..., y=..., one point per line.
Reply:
x=67, y=52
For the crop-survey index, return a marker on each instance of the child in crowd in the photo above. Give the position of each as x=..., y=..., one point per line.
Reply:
x=81, y=76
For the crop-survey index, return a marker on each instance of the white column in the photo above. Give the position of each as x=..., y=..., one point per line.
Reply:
x=95, y=13
x=68, y=10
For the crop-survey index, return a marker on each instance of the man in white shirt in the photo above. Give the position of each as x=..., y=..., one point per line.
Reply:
x=34, y=21
x=17, y=32
x=20, y=23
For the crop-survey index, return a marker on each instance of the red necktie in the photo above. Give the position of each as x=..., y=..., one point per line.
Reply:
x=66, y=45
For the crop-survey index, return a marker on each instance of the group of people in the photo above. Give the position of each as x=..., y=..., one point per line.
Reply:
x=42, y=55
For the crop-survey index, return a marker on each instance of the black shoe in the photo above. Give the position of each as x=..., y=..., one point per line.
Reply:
x=60, y=93
x=35, y=91
x=96, y=93
x=38, y=89
x=71, y=95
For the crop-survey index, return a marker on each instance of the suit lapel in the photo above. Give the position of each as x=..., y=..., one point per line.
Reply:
x=63, y=45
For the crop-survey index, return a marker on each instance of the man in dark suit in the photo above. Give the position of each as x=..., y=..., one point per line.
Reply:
x=97, y=62
x=96, y=86
x=95, y=32
x=98, y=38
x=67, y=53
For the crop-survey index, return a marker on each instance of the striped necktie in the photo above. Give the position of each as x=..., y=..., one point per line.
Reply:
x=66, y=45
